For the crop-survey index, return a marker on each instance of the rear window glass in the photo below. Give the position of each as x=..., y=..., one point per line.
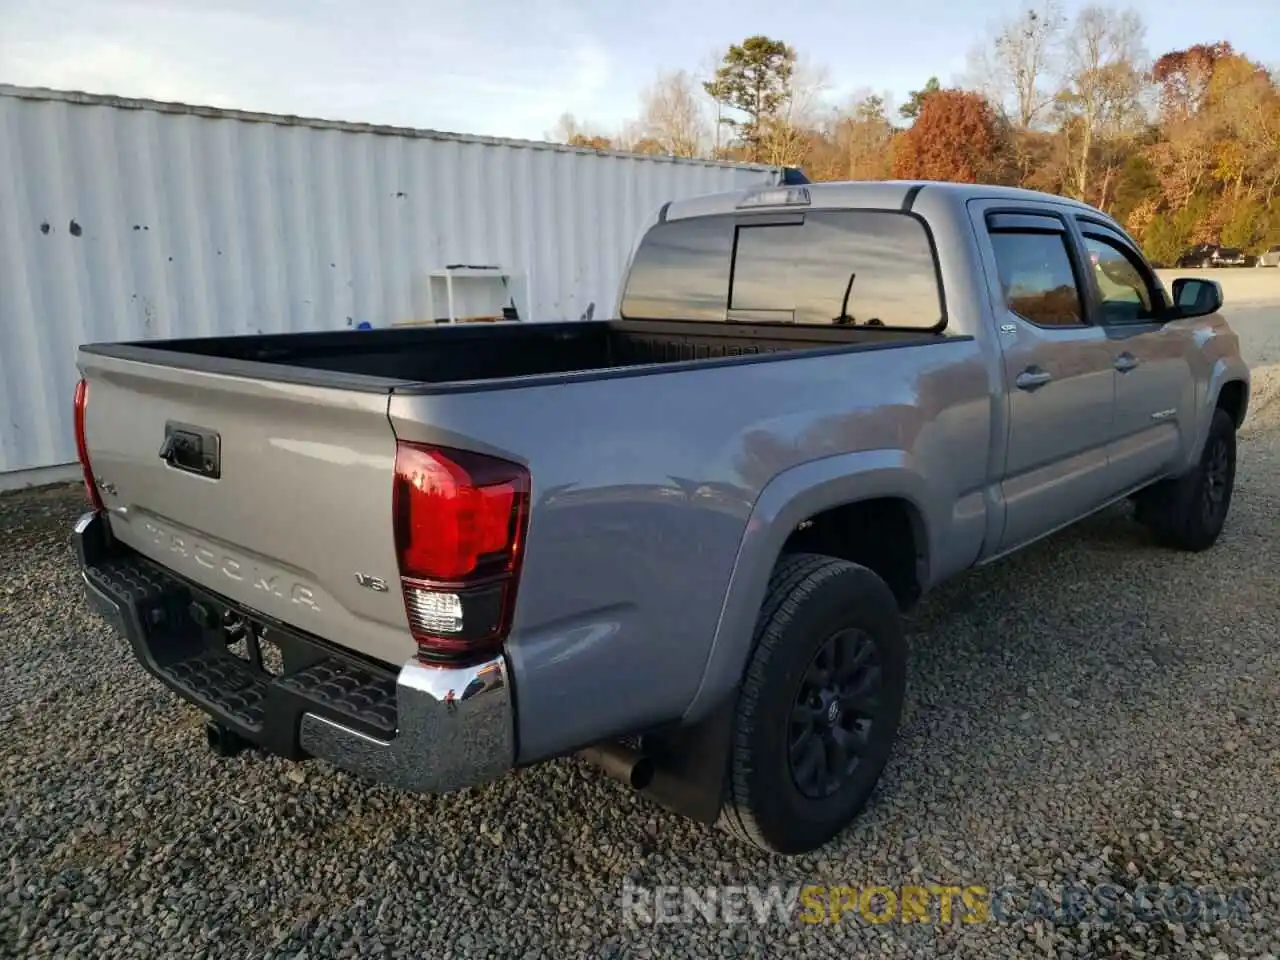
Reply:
x=681, y=271
x=835, y=267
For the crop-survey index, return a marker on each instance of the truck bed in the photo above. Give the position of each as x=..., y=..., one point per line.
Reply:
x=382, y=360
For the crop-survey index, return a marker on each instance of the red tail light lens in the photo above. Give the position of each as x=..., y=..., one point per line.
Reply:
x=82, y=448
x=458, y=512
x=460, y=520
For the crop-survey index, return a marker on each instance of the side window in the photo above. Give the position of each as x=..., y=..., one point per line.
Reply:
x=681, y=271
x=1035, y=272
x=1127, y=295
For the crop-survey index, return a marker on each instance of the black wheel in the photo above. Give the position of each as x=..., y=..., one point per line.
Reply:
x=1189, y=512
x=819, y=707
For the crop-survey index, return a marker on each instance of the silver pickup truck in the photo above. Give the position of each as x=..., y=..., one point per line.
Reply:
x=678, y=542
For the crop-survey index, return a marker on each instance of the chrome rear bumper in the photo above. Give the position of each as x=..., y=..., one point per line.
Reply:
x=455, y=729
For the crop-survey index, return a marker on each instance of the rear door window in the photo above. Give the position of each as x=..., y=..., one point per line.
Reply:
x=857, y=268
x=1036, y=276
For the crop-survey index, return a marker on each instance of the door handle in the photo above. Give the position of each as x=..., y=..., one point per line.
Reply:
x=1126, y=362
x=1033, y=378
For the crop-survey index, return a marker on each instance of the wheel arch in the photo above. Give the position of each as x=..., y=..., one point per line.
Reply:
x=804, y=493
x=1229, y=382
x=1233, y=397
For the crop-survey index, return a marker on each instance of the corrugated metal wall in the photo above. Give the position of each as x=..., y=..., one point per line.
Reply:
x=123, y=220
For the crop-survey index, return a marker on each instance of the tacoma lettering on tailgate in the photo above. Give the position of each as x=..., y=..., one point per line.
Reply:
x=233, y=568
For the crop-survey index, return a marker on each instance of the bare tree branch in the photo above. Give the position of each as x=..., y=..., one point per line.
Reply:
x=787, y=132
x=1104, y=67
x=672, y=116
x=1013, y=67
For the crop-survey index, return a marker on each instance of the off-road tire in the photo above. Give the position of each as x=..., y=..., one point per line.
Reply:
x=812, y=600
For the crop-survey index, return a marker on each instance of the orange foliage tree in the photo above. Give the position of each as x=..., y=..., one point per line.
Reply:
x=956, y=137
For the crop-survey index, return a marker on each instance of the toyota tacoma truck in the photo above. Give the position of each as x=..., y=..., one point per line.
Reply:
x=678, y=542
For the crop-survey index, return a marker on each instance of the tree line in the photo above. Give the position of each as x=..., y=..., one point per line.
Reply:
x=1183, y=148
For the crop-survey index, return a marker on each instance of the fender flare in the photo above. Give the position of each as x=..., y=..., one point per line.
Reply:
x=789, y=498
x=1225, y=370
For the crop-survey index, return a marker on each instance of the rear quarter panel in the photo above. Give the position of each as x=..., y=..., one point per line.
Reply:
x=645, y=487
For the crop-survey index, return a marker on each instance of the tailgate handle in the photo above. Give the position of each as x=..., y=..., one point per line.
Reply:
x=192, y=450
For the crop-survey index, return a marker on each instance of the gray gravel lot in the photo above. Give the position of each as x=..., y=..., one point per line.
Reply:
x=1093, y=710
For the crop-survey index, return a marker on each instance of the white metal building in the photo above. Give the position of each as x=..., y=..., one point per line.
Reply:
x=128, y=219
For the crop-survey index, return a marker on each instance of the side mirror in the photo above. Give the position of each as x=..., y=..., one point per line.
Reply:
x=1193, y=297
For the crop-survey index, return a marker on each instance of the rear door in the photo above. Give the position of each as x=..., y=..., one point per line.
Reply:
x=1155, y=387
x=1059, y=377
x=275, y=495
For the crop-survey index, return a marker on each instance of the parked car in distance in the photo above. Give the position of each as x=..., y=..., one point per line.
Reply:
x=1271, y=258
x=1209, y=255
x=1201, y=256
x=678, y=542
x=1230, y=257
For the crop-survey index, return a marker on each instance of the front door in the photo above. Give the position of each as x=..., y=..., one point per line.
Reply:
x=1155, y=388
x=1059, y=376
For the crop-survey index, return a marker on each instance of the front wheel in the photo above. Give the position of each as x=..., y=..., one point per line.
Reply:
x=1189, y=512
x=819, y=706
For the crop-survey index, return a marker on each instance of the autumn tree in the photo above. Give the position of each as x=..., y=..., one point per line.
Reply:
x=1104, y=82
x=648, y=145
x=754, y=78
x=859, y=137
x=1219, y=148
x=569, y=131
x=916, y=98
x=1244, y=102
x=956, y=137
x=1014, y=66
x=1183, y=159
x=567, y=127
x=787, y=136
x=1183, y=77
x=672, y=117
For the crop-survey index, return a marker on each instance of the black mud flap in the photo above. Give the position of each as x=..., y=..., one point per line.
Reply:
x=690, y=764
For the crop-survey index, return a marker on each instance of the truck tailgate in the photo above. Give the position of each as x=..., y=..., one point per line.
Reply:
x=287, y=497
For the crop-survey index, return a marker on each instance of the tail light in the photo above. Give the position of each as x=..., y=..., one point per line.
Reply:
x=460, y=521
x=82, y=448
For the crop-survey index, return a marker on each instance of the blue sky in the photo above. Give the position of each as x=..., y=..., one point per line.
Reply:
x=511, y=67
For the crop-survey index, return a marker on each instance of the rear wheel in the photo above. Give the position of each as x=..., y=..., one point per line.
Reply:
x=819, y=707
x=1189, y=512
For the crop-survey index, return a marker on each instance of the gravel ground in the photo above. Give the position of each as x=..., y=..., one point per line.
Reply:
x=1093, y=710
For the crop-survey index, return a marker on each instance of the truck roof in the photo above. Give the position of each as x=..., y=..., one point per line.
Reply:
x=864, y=194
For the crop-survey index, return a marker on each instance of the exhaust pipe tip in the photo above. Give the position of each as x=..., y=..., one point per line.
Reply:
x=641, y=773
x=223, y=741
x=622, y=763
